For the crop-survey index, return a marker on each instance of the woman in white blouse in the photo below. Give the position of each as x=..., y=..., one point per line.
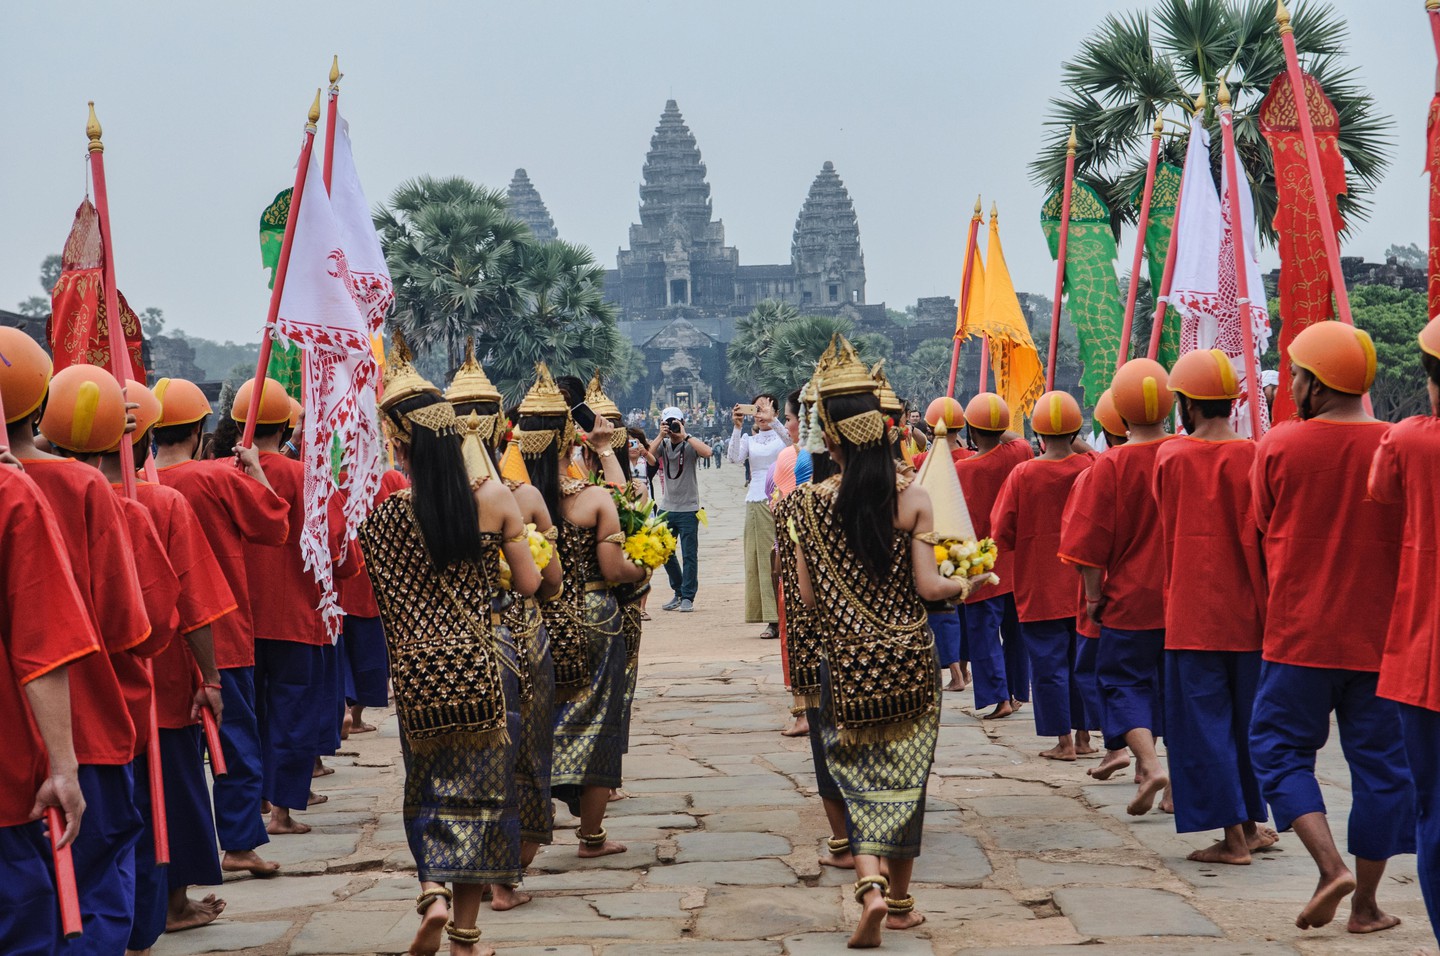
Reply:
x=760, y=448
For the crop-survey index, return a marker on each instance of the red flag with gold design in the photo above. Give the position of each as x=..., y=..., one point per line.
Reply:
x=1305, y=280
x=78, y=331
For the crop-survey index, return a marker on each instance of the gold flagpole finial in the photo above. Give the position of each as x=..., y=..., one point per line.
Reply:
x=1074, y=143
x=92, y=131
x=1282, y=17
x=335, y=73
x=1201, y=102
x=994, y=210
x=1159, y=125
x=977, y=214
x=1432, y=6
x=313, y=117
x=1224, y=94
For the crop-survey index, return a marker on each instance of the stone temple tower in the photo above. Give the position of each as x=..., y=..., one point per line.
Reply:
x=677, y=254
x=825, y=251
x=527, y=206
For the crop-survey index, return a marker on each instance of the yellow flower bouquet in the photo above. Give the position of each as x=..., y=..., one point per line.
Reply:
x=969, y=559
x=540, y=549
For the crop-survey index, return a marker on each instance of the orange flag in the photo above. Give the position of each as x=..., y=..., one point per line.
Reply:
x=1019, y=373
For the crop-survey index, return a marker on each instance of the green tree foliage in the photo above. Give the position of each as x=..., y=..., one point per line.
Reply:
x=36, y=306
x=753, y=337
x=1393, y=317
x=924, y=374
x=1140, y=65
x=775, y=348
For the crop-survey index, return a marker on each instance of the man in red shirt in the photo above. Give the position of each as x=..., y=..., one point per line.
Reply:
x=1404, y=469
x=1026, y=522
x=1000, y=669
x=233, y=503
x=37, y=652
x=1112, y=535
x=1332, y=555
x=1212, y=647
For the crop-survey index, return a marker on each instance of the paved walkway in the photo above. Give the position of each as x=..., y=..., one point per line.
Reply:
x=1022, y=857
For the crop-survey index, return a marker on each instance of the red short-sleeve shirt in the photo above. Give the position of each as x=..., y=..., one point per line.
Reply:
x=1026, y=523
x=162, y=597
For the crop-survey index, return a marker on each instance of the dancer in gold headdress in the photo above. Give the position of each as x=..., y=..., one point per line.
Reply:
x=866, y=563
x=477, y=405
x=586, y=645
x=434, y=557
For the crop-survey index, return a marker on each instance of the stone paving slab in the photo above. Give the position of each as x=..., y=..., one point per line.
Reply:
x=1124, y=911
x=746, y=913
x=752, y=873
x=721, y=847
x=830, y=944
x=223, y=936
x=636, y=905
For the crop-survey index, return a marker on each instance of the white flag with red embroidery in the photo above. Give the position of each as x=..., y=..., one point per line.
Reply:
x=320, y=310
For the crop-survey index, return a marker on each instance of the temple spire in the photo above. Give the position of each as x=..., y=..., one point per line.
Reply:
x=825, y=251
x=527, y=206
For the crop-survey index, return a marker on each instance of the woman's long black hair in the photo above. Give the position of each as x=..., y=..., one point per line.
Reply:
x=866, y=502
x=545, y=469
x=444, y=504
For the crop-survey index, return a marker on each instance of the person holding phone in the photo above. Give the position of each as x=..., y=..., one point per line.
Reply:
x=759, y=449
x=677, y=454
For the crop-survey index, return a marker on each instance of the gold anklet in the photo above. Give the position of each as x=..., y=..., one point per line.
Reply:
x=596, y=839
x=900, y=907
x=470, y=936
x=423, y=901
x=866, y=883
x=839, y=846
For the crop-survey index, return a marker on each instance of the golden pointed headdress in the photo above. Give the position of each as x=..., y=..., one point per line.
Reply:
x=890, y=404
x=544, y=399
x=470, y=383
x=847, y=375
x=810, y=428
x=401, y=380
x=604, y=406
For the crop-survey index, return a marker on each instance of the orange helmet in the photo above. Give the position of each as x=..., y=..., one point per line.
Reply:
x=1056, y=413
x=1205, y=374
x=988, y=411
x=945, y=409
x=1340, y=356
x=181, y=402
x=1429, y=340
x=24, y=374
x=274, y=403
x=296, y=409
x=1140, y=392
x=86, y=411
x=146, y=416
x=1106, y=415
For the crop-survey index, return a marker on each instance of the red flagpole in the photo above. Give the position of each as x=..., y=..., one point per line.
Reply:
x=1141, y=227
x=964, y=295
x=331, y=111
x=984, y=362
x=1242, y=281
x=120, y=368
x=70, y=922
x=1432, y=7
x=1060, y=260
x=248, y=437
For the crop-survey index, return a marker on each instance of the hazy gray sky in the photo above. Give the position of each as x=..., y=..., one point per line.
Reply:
x=919, y=105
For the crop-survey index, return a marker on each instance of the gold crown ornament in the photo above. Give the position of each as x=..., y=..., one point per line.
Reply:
x=603, y=405
x=544, y=399
x=470, y=383
x=400, y=379
x=890, y=403
x=847, y=375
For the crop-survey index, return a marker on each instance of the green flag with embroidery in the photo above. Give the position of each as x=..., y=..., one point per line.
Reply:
x=285, y=357
x=1164, y=198
x=1097, y=310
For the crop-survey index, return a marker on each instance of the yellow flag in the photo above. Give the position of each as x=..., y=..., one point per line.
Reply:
x=966, y=318
x=1019, y=373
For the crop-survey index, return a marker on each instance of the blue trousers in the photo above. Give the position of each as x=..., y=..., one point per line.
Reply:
x=1017, y=661
x=104, y=854
x=1051, y=645
x=1207, y=738
x=329, y=702
x=684, y=578
x=1086, y=651
x=29, y=913
x=1292, y=722
x=288, y=678
x=151, y=887
x=1422, y=746
x=367, y=666
x=987, y=654
x=1129, y=667
x=238, y=794
x=946, y=625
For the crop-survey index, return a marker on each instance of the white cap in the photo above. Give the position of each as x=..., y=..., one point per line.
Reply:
x=672, y=412
x=1269, y=377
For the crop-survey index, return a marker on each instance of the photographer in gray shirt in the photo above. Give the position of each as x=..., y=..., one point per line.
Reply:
x=677, y=455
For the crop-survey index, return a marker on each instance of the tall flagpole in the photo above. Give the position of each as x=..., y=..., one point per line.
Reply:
x=1162, y=299
x=1242, y=279
x=296, y=194
x=1141, y=227
x=1432, y=7
x=985, y=339
x=331, y=111
x=1060, y=261
x=120, y=368
x=964, y=309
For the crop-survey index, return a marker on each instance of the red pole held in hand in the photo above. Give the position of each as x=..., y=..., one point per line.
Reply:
x=212, y=742
x=1140, y=228
x=1060, y=259
x=964, y=307
x=65, y=889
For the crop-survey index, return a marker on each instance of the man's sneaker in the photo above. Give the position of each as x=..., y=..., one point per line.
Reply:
x=686, y=606
x=671, y=604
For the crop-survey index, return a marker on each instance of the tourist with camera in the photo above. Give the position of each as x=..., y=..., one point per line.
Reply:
x=677, y=454
x=759, y=449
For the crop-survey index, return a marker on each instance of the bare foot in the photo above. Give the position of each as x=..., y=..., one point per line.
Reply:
x=1167, y=802
x=265, y=806
x=321, y=770
x=247, y=861
x=1114, y=762
x=1220, y=852
x=841, y=861
x=194, y=913
x=800, y=728
x=316, y=799
x=908, y=920
x=872, y=916
x=285, y=824
x=1262, y=839
x=1320, y=911
x=1145, y=793
x=610, y=848
x=956, y=686
x=507, y=897
x=617, y=794
x=1085, y=750
x=362, y=728
x=1370, y=920
x=432, y=924
x=347, y=723
x=1059, y=752
x=1002, y=709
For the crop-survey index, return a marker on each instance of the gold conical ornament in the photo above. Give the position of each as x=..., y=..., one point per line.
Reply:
x=401, y=380
x=890, y=403
x=512, y=465
x=544, y=397
x=847, y=375
x=604, y=406
x=938, y=477
x=470, y=383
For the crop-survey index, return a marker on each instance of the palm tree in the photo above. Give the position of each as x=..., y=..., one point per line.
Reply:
x=795, y=348
x=753, y=337
x=1137, y=66
x=924, y=375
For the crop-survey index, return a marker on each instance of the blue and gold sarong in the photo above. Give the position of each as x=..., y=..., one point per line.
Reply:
x=589, y=723
x=537, y=722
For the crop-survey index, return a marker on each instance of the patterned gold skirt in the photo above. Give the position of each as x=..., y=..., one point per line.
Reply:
x=882, y=783
x=589, y=729
x=631, y=625
x=537, y=731
x=460, y=805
